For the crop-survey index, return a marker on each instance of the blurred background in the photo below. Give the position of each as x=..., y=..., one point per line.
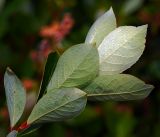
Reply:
x=31, y=29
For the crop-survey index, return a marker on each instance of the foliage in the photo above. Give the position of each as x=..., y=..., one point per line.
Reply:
x=95, y=68
x=16, y=97
x=25, y=48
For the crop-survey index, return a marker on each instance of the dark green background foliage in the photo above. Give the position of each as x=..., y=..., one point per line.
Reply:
x=20, y=24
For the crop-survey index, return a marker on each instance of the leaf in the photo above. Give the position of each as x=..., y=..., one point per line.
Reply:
x=119, y=87
x=2, y=2
x=131, y=6
x=121, y=49
x=48, y=72
x=12, y=134
x=29, y=130
x=59, y=105
x=16, y=96
x=101, y=28
x=76, y=67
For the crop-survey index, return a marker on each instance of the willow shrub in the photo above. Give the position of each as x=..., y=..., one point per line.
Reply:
x=91, y=70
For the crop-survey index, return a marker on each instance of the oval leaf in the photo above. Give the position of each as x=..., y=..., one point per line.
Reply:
x=16, y=96
x=121, y=49
x=59, y=105
x=76, y=67
x=101, y=28
x=48, y=72
x=119, y=87
x=12, y=134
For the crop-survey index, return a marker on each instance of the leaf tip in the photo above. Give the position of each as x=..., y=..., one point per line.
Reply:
x=8, y=70
x=143, y=28
x=111, y=10
x=151, y=87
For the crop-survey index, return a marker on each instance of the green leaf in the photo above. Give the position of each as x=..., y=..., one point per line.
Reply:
x=48, y=72
x=2, y=2
x=131, y=6
x=121, y=49
x=59, y=105
x=16, y=96
x=76, y=67
x=12, y=134
x=29, y=130
x=119, y=87
x=101, y=28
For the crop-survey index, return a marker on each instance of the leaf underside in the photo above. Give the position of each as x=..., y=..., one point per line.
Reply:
x=101, y=28
x=59, y=105
x=120, y=87
x=76, y=67
x=29, y=130
x=16, y=96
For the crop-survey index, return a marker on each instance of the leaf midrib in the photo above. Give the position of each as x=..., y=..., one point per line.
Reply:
x=108, y=94
x=121, y=46
x=55, y=109
x=13, y=90
x=73, y=70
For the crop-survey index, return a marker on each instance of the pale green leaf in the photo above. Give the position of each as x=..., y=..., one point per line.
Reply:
x=121, y=49
x=101, y=28
x=12, y=133
x=16, y=96
x=76, y=67
x=119, y=87
x=59, y=105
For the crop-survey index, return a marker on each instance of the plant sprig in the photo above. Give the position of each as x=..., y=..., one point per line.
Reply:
x=85, y=71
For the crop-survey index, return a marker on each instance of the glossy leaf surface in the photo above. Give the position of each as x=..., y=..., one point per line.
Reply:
x=121, y=49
